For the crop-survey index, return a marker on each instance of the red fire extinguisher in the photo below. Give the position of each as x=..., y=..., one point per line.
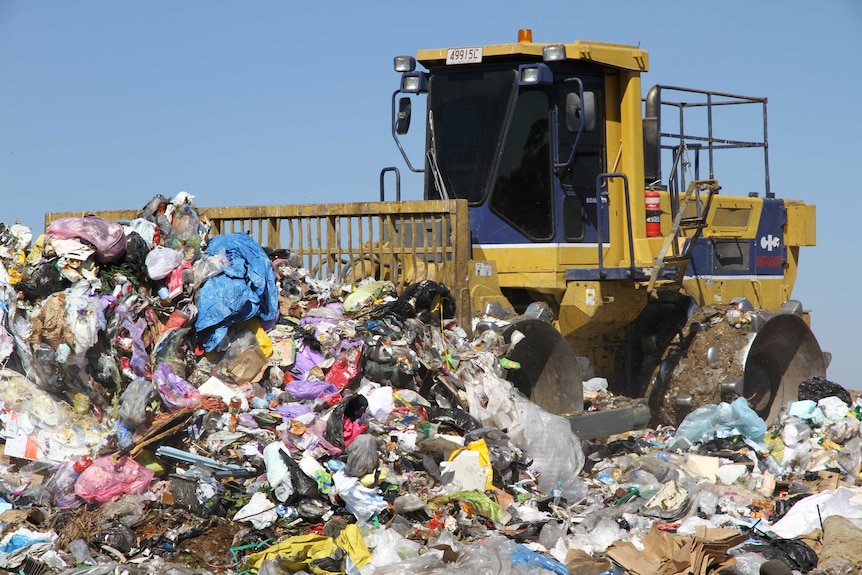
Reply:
x=653, y=213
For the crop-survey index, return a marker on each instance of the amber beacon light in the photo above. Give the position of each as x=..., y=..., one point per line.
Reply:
x=525, y=35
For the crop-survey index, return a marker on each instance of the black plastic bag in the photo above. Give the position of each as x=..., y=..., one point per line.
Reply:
x=352, y=408
x=457, y=418
x=797, y=554
x=136, y=253
x=43, y=280
x=426, y=301
x=117, y=536
x=817, y=388
x=304, y=487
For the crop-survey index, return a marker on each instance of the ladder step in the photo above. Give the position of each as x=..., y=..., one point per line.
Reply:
x=675, y=261
x=692, y=223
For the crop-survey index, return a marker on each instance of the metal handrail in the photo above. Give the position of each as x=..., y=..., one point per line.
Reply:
x=712, y=143
x=599, y=228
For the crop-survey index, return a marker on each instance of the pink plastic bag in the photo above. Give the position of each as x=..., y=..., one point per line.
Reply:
x=108, y=238
x=107, y=480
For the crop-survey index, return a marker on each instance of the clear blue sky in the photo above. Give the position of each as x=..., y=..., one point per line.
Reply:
x=105, y=104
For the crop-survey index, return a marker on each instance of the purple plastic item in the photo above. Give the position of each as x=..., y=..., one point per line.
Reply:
x=306, y=359
x=175, y=391
x=299, y=389
x=292, y=410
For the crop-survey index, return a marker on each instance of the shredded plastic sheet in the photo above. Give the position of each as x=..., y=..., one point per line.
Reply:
x=307, y=552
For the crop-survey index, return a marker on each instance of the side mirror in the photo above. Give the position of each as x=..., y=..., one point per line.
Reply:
x=575, y=112
x=402, y=120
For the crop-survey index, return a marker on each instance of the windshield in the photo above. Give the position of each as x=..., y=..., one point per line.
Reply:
x=468, y=109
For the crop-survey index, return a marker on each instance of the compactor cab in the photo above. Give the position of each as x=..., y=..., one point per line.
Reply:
x=559, y=157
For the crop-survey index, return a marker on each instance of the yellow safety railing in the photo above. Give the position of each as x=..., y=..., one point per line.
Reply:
x=404, y=242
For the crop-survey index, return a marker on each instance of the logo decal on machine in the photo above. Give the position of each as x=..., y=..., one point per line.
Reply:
x=770, y=242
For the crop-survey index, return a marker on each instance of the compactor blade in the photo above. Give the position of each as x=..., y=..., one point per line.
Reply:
x=550, y=374
x=783, y=354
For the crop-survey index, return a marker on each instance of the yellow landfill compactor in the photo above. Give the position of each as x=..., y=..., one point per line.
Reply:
x=550, y=176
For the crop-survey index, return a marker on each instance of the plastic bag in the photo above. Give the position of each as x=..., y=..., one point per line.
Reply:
x=362, y=457
x=363, y=502
x=42, y=280
x=117, y=536
x=259, y=511
x=277, y=471
x=61, y=485
x=794, y=552
x=143, y=228
x=304, y=487
x=207, y=266
x=108, y=238
x=176, y=392
x=795, y=431
x=302, y=390
x=346, y=368
x=161, y=261
x=136, y=252
x=546, y=438
x=524, y=557
x=134, y=401
x=365, y=295
x=340, y=429
x=185, y=229
x=850, y=456
x=134, y=328
x=722, y=420
x=169, y=348
x=817, y=388
x=106, y=479
x=427, y=301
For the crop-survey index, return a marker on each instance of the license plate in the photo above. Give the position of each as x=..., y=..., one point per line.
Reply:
x=464, y=55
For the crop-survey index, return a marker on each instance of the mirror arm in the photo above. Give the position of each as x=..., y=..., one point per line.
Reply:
x=395, y=134
x=560, y=168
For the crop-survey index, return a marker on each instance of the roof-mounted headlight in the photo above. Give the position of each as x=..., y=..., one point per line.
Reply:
x=529, y=75
x=534, y=74
x=414, y=82
x=405, y=63
x=554, y=53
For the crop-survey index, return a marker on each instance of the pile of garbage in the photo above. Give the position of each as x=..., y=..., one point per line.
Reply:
x=177, y=402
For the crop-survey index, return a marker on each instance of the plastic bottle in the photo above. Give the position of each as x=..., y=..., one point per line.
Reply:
x=125, y=438
x=773, y=466
x=79, y=549
x=287, y=511
x=557, y=492
x=82, y=463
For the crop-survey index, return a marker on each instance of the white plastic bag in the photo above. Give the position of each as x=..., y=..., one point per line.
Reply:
x=277, y=472
x=259, y=511
x=161, y=261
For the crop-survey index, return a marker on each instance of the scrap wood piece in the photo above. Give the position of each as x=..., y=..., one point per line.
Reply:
x=158, y=432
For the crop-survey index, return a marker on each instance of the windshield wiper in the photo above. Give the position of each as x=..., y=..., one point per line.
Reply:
x=439, y=184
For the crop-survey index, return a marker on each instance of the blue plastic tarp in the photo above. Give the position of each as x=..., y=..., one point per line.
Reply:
x=245, y=289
